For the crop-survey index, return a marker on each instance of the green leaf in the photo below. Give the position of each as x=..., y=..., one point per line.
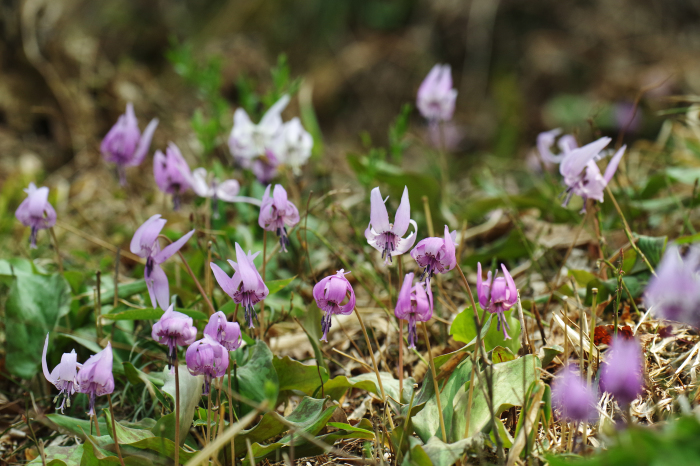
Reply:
x=125, y=290
x=32, y=309
x=510, y=383
x=74, y=426
x=151, y=314
x=137, y=377
x=190, y=394
x=438, y=453
x=501, y=354
x=60, y=456
x=336, y=387
x=293, y=375
x=255, y=374
x=125, y=435
x=277, y=285
x=652, y=247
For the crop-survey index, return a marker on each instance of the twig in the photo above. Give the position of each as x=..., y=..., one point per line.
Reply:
x=177, y=411
x=116, y=279
x=114, y=432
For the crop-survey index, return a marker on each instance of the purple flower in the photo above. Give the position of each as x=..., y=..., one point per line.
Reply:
x=265, y=168
x=413, y=305
x=145, y=244
x=124, y=144
x=384, y=236
x=208, y=358
x=174, y=329
x=622, y=374
x=172, y=173
x=329, y=294
x=277, y=213
x=246, y=286
x=674, y=292
x=64, y=376
x=436, y=255
x=436, y=97
x=228, y=334
x=546, y=140
x=248, y=140
x=497, y=295
x=95, y=377
x=36, y=212
x=573, y=397
x=581, y=174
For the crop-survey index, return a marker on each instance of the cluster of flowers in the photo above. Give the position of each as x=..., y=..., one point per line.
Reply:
x=621, y=376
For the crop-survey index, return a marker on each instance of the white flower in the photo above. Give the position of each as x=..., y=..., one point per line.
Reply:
x=293, y=145
x=249, y=140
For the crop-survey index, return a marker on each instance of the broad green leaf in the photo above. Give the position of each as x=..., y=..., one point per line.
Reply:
x=151, y=314
x=510, y=382
x=60, y=456
x=32, y=309
x=336, y=387
x=136, y=376
x=582, y=277
x=463, y=329
x=501, y=354
x=74, y=426
x=126, y=290
x=294, y=375
x=190, y=394
x=438, y=453
x=652, y=247
x=548, y=353
x=252, y=378
x=125, y=435
x=277, y=285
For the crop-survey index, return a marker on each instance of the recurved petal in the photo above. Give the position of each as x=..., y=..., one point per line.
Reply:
x=158, y=288
x=146, y=235
x=403, y=214
x=246, y=268
x=612, y=166
x=225, y=282
x=379, y=217
x=172, y=248
x=512, y=296
x=144, y=144
x=199, y=182
x=576, y=160
x=228, y=190
x=44, y=366
x=404, y=244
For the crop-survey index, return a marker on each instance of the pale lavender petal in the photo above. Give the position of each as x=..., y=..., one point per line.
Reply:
x=614, y=162
x=403, y=215
x=158, y=288
x=146, y=235
x=44, y=366
x=577, y=159
x=172, y=248
x=224, y=281
x=379, y=217
x=144, y=144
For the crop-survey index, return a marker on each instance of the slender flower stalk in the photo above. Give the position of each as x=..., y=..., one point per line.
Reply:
x=277, y=213
x=172, y=173
x=124, y=144
x=413, y=305
x=145, y=244
x=36, y=212
x=330, y=293
x=497, y=296
x=246, y=287
x=436, y=255
x=386, y=237
x=95, y=377
x=64, y=376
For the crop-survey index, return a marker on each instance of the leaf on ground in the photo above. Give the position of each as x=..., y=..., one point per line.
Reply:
x=438, y=453
x=257, y=380
x=275, y=286
x=293, y=375
x=60, y=456
x=336, y=387
x=190, y=394
x=150, y=314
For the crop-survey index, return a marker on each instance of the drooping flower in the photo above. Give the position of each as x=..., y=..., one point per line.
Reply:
x=413, y=305
x=329, y=294
x=581, y=174
x=124, y=144
x=573, y=397
x=174, y=329
x=277, y=213
x=436, y=255
x=36, y=212
x=95, y=377
x=293, y=145
x=622, y=373
x=246, y=287
x=497, y=295
x=436, y=97
x=208, y=358
x=145, y=244
x=385, y=237
x=64, y=376
x=228, y=334
x=172, y=173
x=674, y=292
x=249, y=140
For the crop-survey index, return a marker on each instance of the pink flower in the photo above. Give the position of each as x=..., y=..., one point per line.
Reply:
x=277, y=213
x=95, y=377
x=172, y=173
x=228, y=334
x=413, y=305
x=64, y=376
x=573, y=397
x=436, y=97
x=622, y=374
x=384, y=236
x=329, y=294
x=497, y=296
x=124, y=144
x=208, y=358
x=145, y=244
x=174, y=329
x=36, y=212
x=246, y=286
x=436, y=255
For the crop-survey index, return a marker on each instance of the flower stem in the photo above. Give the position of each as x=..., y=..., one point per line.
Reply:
x=230, y=416
x=59, y=259
x=177, y=411
x=371, y=353
x=405, y=424
x=435, y=382
x=97, y=425
x=400, y=322
x=208, y=440
x=262, y=303
x=470, y=396
x=114, y=430
x=98, y=305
